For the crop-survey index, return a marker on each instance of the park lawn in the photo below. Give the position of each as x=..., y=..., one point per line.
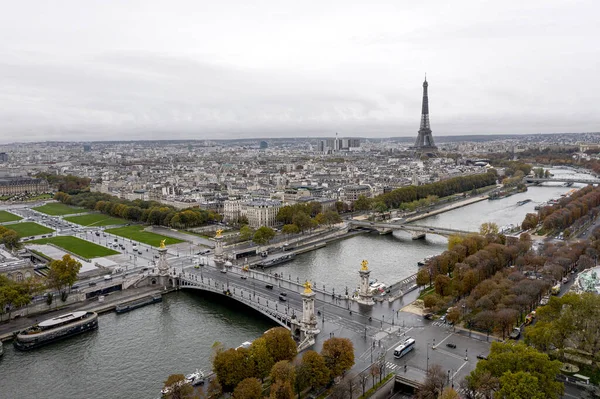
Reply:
x=58, y=209
x=137, y=233
x=80, y=247
x=95, y=219
x=26, y=229
x=8, y=217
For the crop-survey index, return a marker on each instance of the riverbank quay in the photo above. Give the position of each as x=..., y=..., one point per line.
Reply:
x=447, y=208
x=108, y=304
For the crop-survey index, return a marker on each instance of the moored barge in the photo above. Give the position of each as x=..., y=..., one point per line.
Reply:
x=138, y=303
x=55, y=329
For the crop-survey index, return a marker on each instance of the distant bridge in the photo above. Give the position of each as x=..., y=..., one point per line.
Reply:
x=418, y=231
x=539, y=180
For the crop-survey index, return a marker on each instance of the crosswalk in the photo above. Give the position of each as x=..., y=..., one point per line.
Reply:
x=390, y=366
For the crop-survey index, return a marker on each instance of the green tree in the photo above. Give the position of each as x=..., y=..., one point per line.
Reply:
x=380, y=207
x=263, y=235
x=246, y=233
x=423, y=277
x=12, y=295
x=332, y=217
x=290, y=229
x=454, y=240
x=281, y=390
x=249, y=388
x=362, y=204
x=338, y=354
x=517, y=358
x=263, y=362
x=232, y=366
x=320, y=219
x=11, y=240
x=488, y=228
x=570, y=320
x=519, y=385
x=303, y=221
x=281, y=344
x=63, y=273
x=283, y=371
x=313, y=371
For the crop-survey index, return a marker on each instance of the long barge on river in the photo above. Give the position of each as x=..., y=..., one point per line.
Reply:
x=276, y=261
x=138, y=303
x=55, y=329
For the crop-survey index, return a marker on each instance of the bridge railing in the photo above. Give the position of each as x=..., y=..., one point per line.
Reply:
x=283, y=318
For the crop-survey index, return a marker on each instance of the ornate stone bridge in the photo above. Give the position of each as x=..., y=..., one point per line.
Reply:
x=297, y=315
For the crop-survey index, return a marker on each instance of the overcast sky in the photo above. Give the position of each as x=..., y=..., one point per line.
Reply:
x=124, y=69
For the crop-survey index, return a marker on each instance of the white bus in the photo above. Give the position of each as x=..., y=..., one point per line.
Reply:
x=404, y=348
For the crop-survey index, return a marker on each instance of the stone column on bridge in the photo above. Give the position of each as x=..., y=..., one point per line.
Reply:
x=364, y=292
x=163, y=266
x=309, y=320
x=219, y=252
x=305, y=329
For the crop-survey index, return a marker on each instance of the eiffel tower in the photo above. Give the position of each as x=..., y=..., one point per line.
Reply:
x=424, y=144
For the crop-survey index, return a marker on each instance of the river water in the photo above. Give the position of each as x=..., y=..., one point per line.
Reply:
x=131, y=354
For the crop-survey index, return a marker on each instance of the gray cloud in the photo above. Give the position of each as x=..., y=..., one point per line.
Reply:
x=132, y=69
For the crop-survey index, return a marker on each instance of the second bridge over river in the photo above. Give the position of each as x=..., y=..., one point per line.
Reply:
x=417, y=231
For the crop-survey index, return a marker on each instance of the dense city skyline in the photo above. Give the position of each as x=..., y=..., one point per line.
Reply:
x=190, y=70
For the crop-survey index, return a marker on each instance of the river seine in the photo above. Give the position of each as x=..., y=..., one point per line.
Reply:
x=133, y=353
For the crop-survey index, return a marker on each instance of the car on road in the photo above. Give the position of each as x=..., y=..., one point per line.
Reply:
x=282, y=298
x=269, y=286
x=283, y=294
x=481, y=356
x=443, y=318
x=451, y=345
x=428, y=316
x=223, y=271
x=92, y=283
x=243, y=277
